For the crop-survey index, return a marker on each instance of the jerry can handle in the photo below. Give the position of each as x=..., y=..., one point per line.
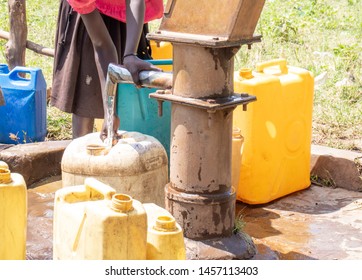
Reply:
x=98, y=190
x=91, y=190
x=281, y=62
x=14, y=75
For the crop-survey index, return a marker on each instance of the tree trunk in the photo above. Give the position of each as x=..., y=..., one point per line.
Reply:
x=16, y=46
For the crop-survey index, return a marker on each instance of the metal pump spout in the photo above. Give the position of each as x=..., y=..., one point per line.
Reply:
x=117, y=74
x=152, y=79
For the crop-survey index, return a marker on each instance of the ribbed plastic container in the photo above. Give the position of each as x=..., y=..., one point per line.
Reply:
x=277, y=130
x=13, y=215
x=138, y=112
x=137, y=165
x=23, y=118
x=93, y=222
x=165, y=239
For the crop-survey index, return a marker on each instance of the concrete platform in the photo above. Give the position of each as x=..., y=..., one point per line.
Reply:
x=337, y=168
x=317, y=223
x=35, y=161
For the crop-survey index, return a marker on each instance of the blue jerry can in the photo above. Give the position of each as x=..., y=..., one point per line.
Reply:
x=4, y=68
x=23, y=117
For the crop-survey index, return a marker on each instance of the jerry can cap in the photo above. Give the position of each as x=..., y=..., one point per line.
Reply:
x=5, y=176
x=165, y=223
x=122, y=202
x=96, y=149
x=237, y=133
x=245, y=73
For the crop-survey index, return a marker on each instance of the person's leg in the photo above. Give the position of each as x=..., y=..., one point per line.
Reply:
x=81, y=125
x=104, y=53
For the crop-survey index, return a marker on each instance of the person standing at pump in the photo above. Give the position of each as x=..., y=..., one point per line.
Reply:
x=90, y=35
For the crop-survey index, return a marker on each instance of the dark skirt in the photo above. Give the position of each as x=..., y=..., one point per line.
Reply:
x=76, y=86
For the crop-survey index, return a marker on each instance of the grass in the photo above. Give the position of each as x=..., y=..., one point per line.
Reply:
x=41, y=21
x=322, y=36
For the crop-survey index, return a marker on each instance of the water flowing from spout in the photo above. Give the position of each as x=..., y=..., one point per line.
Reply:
x=118, y=74
x=110, y=111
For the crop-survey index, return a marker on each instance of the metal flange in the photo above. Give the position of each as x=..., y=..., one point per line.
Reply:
x=209, y=104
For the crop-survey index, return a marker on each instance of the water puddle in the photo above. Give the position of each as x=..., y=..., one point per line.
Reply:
x=40, y=220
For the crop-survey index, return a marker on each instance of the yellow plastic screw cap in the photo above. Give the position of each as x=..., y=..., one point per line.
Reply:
x=165, y=223
x=245, y=73
x=121, y=202
x=5, y=176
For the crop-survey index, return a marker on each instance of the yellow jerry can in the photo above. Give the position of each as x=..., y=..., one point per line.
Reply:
x=13, y=215
x=277, y=131
x=237, y=151
x=93, y=222
x=165, y=240
x=4, y=165
x=162, y=51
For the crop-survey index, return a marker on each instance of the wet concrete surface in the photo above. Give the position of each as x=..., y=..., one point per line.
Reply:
x=316, y=223
x=40, y=220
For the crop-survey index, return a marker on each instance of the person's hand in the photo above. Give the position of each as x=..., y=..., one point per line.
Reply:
x=135, y=65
